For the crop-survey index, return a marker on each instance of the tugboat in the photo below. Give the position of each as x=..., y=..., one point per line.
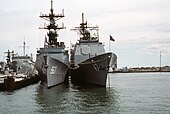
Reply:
x=89, y=62
x=52, y=62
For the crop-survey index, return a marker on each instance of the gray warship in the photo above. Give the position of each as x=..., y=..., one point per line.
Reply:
x=89, y=62
x=17, y=72
x=52, y=60
x=20, y=64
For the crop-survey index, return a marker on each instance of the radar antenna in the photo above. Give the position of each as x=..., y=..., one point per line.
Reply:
x=84, y=31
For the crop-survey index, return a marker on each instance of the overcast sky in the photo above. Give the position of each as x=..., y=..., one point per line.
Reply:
x=141, y=28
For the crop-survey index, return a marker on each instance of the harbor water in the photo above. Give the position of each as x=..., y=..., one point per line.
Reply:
x=133, y=93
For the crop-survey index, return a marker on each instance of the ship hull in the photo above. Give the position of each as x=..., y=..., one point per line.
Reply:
x=92, y=71
x=52, y=71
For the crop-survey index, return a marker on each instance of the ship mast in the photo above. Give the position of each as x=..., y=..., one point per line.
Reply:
x=84, y=31
x=53, y=28
x=24, y=48
x=9, y=56
x=83, y=26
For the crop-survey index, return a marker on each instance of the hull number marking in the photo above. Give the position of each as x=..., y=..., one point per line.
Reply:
x=53, y=69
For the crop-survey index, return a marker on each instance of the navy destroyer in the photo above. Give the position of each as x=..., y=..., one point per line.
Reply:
x=89, y=62
x=52, y=60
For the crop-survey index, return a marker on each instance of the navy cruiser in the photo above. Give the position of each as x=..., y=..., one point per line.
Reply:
x=52, y=60
x=89, y=62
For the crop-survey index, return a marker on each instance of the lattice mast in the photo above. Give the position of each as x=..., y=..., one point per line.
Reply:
x=52, y=27
x=84, y=30
x=8, y=56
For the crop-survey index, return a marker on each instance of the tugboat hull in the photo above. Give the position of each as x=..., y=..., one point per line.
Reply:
x=92, y=71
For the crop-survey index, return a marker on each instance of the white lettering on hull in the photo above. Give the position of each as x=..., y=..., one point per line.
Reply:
x=53, y=69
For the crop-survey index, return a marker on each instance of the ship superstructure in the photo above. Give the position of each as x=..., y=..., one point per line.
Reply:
x=52, y=60
x=89, y=62
x=19, y=64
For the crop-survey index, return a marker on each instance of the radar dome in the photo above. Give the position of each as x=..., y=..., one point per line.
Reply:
x=52, y=31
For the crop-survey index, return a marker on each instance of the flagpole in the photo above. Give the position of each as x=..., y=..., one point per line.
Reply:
x=110, y=39
x=109, y=75
x=109, y=46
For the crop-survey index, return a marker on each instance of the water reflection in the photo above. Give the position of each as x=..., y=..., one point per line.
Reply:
x=75, y=99
x=129, y=93
x=50, y=100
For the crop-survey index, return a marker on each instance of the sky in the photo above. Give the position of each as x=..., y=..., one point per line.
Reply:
x=141, y=28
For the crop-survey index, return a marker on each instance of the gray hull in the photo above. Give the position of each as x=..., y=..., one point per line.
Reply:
x=51, y=70
x=24, y=68
x=92, y=71
x=52, y=60
x=22, y=65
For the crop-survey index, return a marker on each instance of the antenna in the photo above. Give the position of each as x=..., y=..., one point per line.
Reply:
x=83, y=25
x=52, y=6
x=24, y=47
x=82, y=17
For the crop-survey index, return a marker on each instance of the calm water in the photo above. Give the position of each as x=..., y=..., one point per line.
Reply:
x=133, y=93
